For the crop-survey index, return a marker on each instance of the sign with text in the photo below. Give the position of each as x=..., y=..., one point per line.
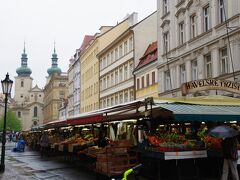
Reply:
x=210, y=84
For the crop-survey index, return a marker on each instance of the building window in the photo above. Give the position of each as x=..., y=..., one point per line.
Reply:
x=120, y=75
x=147, y=80
x=208, y=66
x=126, y=96
x=138, y=83
x=120, y=51
x=165, y=7
x=108, y=60
x=116, y=77
x=130, y=69
x=112, y=57
x=22, y=84
x=108, y=82
x=143, y=82
x=206, y=18
x=182, y=73
x=221, y=13
x=125, y=47
x=224, y=61
x=193, y=26
x=194, y=70
x=166, y=41
x=116, y=99
x=125, y=72
x=121, y=98
x=116, y=54
x=35, y=111
x=181, y=33
x=130, y=43
x=112, y=79
x=167, y=80
x=131, y=95
x=112, y=102
x=153, y=77
x=19, y=114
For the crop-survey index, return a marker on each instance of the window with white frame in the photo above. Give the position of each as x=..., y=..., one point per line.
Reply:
x=147, y=80
x=167, y=80
x=181, y=33
x=182, y=73
x=125, y=72
x=125, y=47
x=130, y=43
x=108, y=102
x=112, y=102
x=130, y=69
x=153, y=77
x=112, y=57
x=194, y=67
x=120, y=51
x=221, y=13
x=120, y=75
x=108, y=60
x=101, y=64
x=108, y=82
x=121, y=98
x=224, y=61
x=166, y=41
x=116, y=53
x=193, y=26
x=116, y=99
x=143, y=82
x=116, y=76
x=208, y=65
x=206, y=18
x=165, y=7
x=112, y=79
x=131, y=95
x=104, y=83
x=138, y=83
x=126, y=96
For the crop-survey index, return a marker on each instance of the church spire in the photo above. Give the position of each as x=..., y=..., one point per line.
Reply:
x=24, y=70
x=54, y=68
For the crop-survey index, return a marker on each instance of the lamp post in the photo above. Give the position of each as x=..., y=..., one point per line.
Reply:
x=6, y=88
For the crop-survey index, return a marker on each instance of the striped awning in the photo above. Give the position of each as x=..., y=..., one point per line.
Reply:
x=192, y=112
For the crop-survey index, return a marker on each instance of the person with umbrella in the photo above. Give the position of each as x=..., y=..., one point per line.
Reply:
x=229, y=149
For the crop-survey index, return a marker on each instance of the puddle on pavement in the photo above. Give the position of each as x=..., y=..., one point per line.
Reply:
x=43, y=175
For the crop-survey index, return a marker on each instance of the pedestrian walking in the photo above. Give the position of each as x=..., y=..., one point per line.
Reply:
x=230, y=155
x=44, y=144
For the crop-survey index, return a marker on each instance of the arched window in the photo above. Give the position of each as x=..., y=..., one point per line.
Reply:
x=22, y=83
x=35, y=111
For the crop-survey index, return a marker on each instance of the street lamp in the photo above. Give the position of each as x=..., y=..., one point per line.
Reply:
x=6, y=88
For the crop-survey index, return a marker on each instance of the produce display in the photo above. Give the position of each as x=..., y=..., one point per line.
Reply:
x=172, y=142
x=212, y=143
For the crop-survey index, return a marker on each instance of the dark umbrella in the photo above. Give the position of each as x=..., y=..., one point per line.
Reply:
x=223, y=132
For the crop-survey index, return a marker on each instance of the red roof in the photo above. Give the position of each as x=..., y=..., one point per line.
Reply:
x=87, y=39
x=149, y=56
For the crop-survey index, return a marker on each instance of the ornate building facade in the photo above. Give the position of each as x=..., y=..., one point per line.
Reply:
x=28, y=100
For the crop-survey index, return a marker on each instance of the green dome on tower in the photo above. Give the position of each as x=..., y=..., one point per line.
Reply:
x=54, y=69
x=24, y=71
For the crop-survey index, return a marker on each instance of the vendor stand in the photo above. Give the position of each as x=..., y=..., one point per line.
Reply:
x=176, y=113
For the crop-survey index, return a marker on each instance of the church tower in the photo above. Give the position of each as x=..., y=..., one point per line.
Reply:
x=23, y=82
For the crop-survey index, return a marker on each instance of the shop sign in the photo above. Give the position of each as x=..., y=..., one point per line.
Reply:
x=210, y=84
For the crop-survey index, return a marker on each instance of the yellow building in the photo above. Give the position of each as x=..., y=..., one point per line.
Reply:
x=146, y=73
x=90, y=62
x=55, y=91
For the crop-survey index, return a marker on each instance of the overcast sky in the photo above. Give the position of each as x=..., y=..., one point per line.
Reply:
x=41, y=22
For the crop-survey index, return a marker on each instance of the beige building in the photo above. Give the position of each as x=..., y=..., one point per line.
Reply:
x=196, y=40
x=28, y=100
x=55, y=91
x=90, y=62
